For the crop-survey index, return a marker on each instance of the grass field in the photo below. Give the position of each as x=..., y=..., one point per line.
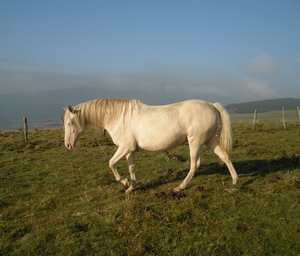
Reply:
x=54, y=202
x=271, y=116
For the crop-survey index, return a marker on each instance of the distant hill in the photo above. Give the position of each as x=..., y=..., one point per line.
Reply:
x=264, y=105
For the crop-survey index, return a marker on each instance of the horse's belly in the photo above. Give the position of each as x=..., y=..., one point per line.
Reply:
x=160, y=140
x=158, y=129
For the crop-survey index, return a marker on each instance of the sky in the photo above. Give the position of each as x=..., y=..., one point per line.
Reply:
x=232, y=51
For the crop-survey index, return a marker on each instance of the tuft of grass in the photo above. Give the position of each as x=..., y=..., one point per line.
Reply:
x=55, y=202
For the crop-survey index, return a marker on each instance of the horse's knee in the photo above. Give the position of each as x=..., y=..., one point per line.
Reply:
x=221, y=154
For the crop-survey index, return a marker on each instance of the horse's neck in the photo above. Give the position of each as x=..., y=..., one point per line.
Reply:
x=89, y=117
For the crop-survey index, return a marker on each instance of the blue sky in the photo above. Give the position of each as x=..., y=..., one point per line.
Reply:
x=209, y=43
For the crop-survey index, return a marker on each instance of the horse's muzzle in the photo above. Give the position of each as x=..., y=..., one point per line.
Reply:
x=69, y=146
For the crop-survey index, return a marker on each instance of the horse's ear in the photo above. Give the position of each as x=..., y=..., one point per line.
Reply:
x=70, y=108
x=76, y=111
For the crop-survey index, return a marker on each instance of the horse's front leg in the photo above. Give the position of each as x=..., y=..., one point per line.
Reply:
x=130, y=161
x=119, y=154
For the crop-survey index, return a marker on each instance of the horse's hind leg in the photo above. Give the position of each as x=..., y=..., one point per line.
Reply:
x=130, y=159
x=194, y=145
x=222, y=154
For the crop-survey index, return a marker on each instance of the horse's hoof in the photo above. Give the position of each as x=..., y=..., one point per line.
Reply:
x=234, y=181
x=129, y=189
x=125, y=183
x=177, y=190
x=230, y=190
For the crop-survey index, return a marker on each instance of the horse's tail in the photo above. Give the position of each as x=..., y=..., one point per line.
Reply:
x=225, y=134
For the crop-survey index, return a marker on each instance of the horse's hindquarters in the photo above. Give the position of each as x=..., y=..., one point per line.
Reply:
x=199, y=119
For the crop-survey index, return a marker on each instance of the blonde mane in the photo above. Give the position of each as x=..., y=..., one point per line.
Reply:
x=96, y=112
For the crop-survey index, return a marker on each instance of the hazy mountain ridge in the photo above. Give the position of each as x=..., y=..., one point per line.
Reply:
x=264, y=105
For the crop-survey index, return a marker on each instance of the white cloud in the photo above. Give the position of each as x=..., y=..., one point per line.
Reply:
x=260, y=89
x=263, y=64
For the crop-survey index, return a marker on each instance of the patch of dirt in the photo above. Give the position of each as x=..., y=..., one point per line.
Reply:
x=170, y=195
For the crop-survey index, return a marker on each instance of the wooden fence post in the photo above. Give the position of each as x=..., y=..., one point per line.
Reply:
x=254, y=119
x=25, y=129
x=298, y=110
x=283, y=118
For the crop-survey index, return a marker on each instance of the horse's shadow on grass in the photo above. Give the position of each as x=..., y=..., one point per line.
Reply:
x=252, y=168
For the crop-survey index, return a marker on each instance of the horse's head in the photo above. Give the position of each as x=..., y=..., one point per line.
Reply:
x=72, y=126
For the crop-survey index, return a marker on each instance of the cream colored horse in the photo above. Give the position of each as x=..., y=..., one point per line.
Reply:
x=133, y=124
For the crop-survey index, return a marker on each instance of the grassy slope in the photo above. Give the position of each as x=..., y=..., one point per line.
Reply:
x=54, y=202
x=265, y=105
